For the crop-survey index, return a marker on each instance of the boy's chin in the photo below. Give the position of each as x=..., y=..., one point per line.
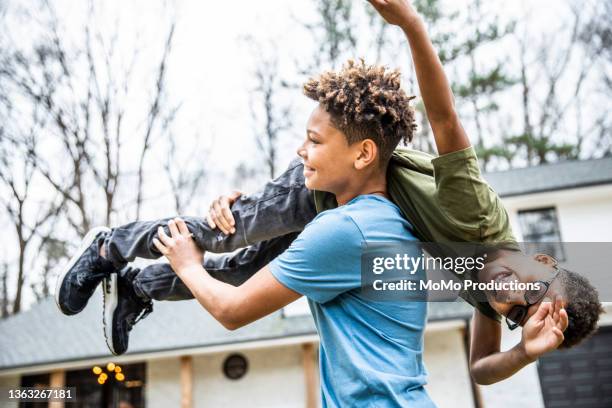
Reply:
x=495, y=304
x=312, y=184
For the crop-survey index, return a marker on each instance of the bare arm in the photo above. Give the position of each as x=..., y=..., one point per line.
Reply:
x=235, y=307
x=542, y=333
x=433, y=84
x=232, y=306
x=487, y=364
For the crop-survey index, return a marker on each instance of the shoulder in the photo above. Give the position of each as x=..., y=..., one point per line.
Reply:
x=332, y=236
x=372, y=211
x=335, y=223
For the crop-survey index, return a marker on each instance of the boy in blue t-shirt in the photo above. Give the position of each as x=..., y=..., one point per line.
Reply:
x=370, y=351
x=374, y=348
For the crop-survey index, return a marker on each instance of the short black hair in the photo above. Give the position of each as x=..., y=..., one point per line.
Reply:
x=583, y=308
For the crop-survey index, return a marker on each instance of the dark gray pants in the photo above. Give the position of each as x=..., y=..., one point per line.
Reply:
x=266, y=224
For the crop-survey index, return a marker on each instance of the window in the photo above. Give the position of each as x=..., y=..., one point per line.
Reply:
x=540, y=228
x=122, y=386
x=36, y=381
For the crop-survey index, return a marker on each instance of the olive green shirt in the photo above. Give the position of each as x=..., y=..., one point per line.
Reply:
x=446, y=199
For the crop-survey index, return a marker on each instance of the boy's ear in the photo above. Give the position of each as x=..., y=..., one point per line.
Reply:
x=545, y=259
x=366, y=154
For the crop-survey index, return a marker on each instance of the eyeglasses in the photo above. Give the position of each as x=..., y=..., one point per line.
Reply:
x=517, y=314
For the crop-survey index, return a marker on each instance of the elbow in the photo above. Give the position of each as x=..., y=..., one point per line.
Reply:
x=229, y=325
x=481, y=381
x=226, y=310
x=228, y=318
x=446, y=119
x=478, y=376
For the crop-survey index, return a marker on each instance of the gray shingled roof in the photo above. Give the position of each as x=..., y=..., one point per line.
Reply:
x=42, y=335
x=551, y=177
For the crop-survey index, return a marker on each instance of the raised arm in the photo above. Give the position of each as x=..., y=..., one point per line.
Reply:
x=433, y=84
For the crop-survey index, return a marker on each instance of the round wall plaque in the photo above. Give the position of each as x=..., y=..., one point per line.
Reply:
x=235, y=366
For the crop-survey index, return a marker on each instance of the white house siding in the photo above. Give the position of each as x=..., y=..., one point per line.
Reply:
x=446, y=362
x=520, y=390
x=583, y=213
x=163, y=388
x=275, y=378
x=9, y=381
x=606, y=318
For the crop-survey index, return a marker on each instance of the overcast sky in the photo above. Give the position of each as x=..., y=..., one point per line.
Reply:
x=211, y=67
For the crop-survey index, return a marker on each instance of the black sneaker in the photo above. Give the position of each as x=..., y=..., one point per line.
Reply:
x=79, y=279
x=122, y=309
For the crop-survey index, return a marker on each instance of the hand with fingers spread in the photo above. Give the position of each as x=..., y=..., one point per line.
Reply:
x=220, y=213
x=179, y=248
x=396, y=12
x=543, y=332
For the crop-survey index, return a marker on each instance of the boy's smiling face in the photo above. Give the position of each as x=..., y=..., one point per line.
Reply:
x=514, y=266
x=328, y=158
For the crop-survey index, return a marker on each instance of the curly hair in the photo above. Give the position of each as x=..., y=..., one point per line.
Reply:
x=366, y=102
x=583, y=308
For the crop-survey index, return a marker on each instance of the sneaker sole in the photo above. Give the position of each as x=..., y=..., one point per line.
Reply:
x=86, y=243
x=110, y=298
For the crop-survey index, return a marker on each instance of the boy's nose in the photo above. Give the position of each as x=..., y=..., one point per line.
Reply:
x=516, y=297
x=301, y=151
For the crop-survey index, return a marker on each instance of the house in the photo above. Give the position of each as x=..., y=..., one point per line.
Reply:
x=180, y=356
x=568, y=202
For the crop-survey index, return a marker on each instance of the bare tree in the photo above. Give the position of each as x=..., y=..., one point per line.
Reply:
x=551, y=84
x=52, y=251
x=483, y=84
x=66, y=105
x=596, y=36
x=380, y=28
x=184, y=177
x=4, y=298
x=334, y=32
x=270, y=114
x=85, y=114
x=156, y=115
x=559, y=119
x=27, y=217
x=596, y=33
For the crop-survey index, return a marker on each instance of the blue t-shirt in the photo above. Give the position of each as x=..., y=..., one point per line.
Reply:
x=370, y=352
